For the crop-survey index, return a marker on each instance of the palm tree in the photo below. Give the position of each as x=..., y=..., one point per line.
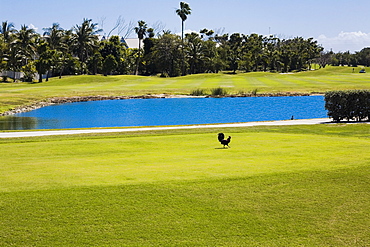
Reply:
x=195, y=52
x=23, y=49
x=14, y=59
x=44, y=58
x=167, y=54
x=141, y=32
x=85, y=39
x=54, y=36
x=25, y=41
x=183, y=12
x=6, y=30
x=6, y=38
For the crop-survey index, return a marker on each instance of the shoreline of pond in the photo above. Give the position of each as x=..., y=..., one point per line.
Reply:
x=64, y=100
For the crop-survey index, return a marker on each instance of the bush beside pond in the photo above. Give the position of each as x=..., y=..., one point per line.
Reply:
x=348, y=105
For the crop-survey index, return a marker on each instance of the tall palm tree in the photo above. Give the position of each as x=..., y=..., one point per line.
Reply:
x=183, y=12
x=85, y=39
x=141, y=32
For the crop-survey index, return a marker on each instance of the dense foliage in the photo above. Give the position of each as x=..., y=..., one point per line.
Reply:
x=345, y=58
x=81, y=50
x=349, y=105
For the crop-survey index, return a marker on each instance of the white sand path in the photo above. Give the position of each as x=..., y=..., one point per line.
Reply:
x=90, y=131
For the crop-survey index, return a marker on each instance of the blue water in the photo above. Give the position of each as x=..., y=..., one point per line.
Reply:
x=169, y=111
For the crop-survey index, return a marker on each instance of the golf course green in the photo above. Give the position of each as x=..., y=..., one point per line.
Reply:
x=303, y=185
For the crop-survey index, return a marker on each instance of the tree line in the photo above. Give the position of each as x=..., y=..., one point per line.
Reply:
x=345, y=58
x=81, y=50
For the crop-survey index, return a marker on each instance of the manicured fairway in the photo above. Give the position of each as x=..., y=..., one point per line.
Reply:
x=330, y=78
x=275, y=186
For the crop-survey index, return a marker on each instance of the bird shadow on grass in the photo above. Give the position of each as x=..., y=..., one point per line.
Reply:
x=222, y=148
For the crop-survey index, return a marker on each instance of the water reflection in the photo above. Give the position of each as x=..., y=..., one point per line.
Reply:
x=18, y=123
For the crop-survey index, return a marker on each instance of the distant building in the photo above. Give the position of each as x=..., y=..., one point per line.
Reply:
x=12, y=74
x=132, y=42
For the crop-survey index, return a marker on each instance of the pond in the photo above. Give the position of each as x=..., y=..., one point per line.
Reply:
x=166, y=111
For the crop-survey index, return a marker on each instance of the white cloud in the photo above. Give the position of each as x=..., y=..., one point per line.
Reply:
x=187, y=31
x=31, y=26
x=345, y=41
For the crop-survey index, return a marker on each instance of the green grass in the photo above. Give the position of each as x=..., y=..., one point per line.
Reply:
x=330, y=78
x=275, y=186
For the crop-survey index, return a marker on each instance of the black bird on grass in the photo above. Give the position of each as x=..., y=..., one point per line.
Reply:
x=225, y=142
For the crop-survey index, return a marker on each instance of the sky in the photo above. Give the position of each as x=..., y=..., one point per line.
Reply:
x=338, y=25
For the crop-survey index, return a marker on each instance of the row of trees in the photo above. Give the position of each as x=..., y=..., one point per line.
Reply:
x=209, y=52
x=81, y=50
x=57, y=50
x=345, y=58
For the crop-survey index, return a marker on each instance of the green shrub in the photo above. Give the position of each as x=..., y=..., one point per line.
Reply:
x=254, y=92
x=198, y=92
x=349, y=105
x=219, y=91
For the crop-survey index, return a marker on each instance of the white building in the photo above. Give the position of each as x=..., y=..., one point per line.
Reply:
x=132, y=42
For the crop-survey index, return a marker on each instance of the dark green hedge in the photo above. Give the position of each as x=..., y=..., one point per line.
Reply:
x=348, y=105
